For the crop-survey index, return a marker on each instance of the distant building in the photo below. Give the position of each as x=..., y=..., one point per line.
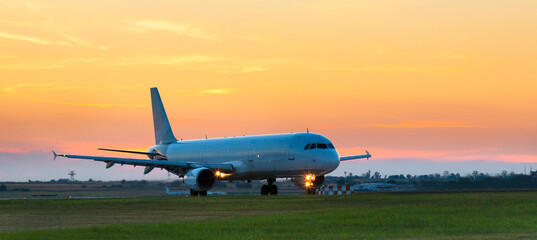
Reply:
x=533, y=173
x=63, y=180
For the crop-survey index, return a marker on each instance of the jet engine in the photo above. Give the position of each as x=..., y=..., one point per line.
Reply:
x=200, y=179
x=305, y=182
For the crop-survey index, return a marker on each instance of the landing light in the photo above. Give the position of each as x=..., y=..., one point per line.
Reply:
x=309, y=178
x=221, y=174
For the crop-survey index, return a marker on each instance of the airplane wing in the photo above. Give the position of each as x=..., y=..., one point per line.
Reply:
x=355, y=157
x=151, y=164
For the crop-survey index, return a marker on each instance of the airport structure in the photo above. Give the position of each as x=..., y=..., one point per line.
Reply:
x=333, y=190
x=304, y=157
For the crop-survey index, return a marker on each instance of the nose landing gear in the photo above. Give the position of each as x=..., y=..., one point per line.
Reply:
x=310, y=186
x=270, y=188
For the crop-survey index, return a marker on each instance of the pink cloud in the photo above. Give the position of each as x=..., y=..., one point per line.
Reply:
x=429, y=124
x=385, y=153
x=12, y=150
x=381, y=154
x=523, y=158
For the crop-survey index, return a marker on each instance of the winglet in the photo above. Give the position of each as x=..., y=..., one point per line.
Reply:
x=55, y=155
x=368, y=154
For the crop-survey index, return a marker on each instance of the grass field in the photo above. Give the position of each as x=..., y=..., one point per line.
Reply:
x=511, y=215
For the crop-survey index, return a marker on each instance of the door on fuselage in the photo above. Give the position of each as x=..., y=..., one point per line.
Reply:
x=251, y=155
x=292, y=148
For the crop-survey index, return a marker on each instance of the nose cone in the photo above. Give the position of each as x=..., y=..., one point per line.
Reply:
x=331, y=161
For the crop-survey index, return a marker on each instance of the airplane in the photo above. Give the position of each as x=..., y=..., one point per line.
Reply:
x=304, y=157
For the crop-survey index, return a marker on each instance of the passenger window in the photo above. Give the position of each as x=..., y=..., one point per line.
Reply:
x=312, y=146
x=322, y=145
x=330, y=145
x=307, y=146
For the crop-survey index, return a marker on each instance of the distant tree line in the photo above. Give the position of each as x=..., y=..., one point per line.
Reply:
x=3, y=188
x=444, y=181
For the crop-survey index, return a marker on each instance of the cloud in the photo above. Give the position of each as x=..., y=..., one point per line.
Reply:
x=76, y=40
x=145, y=26
x=517, y=158
x=326, y=126
x=30, y=39
x=225, y=91
x=183, y=62
x=249, y=69
x=106, y=105
x=177, y=60
x=30, y=8
x=433, y=69
x=216, y=91
x=489, y=154
x=12, y=150
x=242, y=69
x=69, y=40
x=186, y=120
x=24, y=88
x=387, y=153
x=51, y=64
x=187, y=62
x=427, y=124
x=196, y=62
x=26, y=85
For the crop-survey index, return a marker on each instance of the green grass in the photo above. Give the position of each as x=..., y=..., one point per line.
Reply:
x=382, y=216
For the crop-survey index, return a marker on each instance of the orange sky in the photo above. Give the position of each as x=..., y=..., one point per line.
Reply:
x=430, y=81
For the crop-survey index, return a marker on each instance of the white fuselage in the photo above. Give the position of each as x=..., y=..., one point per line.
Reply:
x=259, y=157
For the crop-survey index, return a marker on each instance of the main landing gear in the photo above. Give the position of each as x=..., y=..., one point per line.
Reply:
x=196, y=193
x=270, y=188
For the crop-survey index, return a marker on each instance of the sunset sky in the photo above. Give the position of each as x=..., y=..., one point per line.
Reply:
x=425, y=86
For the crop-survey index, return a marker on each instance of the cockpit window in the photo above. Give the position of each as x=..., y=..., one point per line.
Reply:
x=322, y=145
x=319, y=146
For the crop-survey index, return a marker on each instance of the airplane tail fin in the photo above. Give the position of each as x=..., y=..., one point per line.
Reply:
x=163, y=130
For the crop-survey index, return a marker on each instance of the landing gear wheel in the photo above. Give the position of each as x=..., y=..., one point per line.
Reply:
x=264, y=190
x=203, y=193
x=273, y=189
x=193, y=193
x=310, y=191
